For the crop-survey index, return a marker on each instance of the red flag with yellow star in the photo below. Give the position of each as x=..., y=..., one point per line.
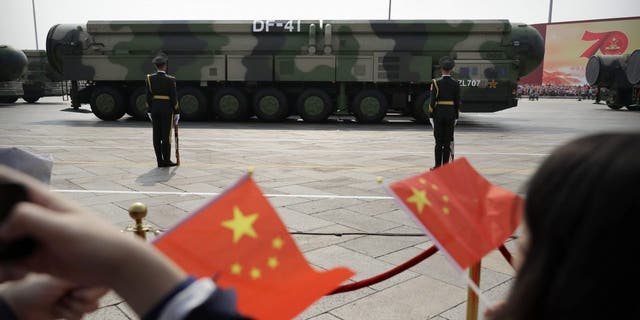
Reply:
x=464, y=214
x=239, y=238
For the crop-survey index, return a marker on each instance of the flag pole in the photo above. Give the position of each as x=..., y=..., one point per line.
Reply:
x=472, y=298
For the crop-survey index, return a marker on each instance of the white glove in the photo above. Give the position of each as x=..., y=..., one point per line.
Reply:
x=176, y=118
x=149, y=115
x=430, y=121
x=455, y=122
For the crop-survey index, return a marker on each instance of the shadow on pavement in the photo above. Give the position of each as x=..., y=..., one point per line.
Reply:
x=156, y=175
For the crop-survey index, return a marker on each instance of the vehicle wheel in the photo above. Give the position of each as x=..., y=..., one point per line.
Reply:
x=10, y=99
x=420, y=108
x=137, y=107
x=270, y=104
x=193, y=104
x=230, y=104
x=369, y=106
x=31, y=99
x=107, y=103
x=314, y=105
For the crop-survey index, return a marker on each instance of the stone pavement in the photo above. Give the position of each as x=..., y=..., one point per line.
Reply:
x=319, y=177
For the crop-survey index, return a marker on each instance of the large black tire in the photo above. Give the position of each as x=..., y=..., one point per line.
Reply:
x=230, y=104
x=314, y=105
x=270, y=104
x=137, y=107
x=10, y=99
x=369, y=106
x=193, y=104
x=420, y=108
x=107, y=103
x=31, y=98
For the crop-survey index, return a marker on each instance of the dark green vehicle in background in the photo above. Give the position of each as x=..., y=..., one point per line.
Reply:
x=27, y=74
x=618, y=77
x=41, y=80
x=232, y=70
x=13, y=64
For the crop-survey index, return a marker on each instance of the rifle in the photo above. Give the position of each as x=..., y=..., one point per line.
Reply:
x=177, y=144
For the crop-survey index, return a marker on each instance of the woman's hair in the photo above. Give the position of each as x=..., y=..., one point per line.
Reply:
x=582, y=213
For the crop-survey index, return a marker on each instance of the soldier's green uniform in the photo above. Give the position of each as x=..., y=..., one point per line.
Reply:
x=444, y=106
x=162, y=104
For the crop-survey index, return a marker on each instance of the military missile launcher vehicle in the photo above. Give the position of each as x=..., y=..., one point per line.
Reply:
x=36, y=78
x=41, y=80
x=13, y=64
x=620, y=75
x=232, y=70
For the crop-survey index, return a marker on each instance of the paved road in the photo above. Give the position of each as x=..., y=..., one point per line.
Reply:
x=319, y=177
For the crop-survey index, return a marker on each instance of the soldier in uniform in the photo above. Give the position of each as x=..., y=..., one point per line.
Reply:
x=163, y=109
x=444, y=106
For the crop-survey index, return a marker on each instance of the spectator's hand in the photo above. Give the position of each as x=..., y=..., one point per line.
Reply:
x=79, y=247
x=490, y=312
x=176, y=118
x=39, y=296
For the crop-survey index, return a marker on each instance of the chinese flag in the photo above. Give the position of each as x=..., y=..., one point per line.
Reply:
x=239, y=238
x=464, y=214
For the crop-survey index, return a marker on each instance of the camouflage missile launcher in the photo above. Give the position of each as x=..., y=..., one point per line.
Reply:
x=13, y=64
x=36, y=78
x=41, y=80
x=275, y=68
x=619, y=75
x=633, y=76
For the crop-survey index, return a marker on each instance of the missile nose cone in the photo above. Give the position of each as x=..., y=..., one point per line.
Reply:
x=13, y=63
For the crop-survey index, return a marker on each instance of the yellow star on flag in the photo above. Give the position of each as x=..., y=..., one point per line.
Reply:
x=255, y=273
x=241, y=225
x=272, y=262
x=419, y=198
x=236, y=268
x=277, y=243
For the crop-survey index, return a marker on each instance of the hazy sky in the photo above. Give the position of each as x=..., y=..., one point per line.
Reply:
x=17, y=30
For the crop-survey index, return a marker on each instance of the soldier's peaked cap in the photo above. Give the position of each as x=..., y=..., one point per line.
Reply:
x=446, y=63
x=160, y=58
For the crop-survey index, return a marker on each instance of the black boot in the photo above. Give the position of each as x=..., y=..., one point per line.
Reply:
x=438, y=154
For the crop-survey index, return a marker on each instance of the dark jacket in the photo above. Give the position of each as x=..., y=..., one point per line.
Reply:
x=445, y=93
x=161, y=92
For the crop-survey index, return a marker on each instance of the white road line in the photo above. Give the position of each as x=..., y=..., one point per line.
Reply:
x=208, y=194
x=253, y=149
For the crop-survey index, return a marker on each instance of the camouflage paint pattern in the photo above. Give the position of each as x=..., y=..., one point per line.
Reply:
x=491, y=55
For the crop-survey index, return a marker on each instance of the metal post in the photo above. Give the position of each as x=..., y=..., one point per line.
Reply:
x=389, y=10
x=472, y=298
x=137, y=212
x=550, y=10
x=35, y=26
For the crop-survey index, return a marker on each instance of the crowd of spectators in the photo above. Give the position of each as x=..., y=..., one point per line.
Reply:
x=533, y=92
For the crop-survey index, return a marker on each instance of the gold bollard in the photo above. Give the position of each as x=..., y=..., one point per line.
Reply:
x=137, y=212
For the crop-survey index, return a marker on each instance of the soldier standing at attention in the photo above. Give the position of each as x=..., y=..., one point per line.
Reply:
x=163, y=109
x=444, y=106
